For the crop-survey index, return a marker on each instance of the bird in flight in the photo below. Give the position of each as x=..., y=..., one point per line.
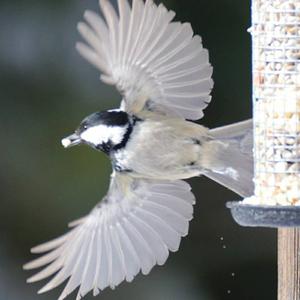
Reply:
x=164, y=76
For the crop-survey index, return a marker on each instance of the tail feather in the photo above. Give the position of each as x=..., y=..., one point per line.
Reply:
x=236, y=157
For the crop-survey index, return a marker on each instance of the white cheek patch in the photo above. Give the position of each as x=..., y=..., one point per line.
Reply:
x=102, y=134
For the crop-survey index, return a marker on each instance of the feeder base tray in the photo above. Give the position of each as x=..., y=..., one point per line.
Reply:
x=265, y=216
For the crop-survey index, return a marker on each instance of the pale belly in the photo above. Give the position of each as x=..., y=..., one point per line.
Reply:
x=163, y=149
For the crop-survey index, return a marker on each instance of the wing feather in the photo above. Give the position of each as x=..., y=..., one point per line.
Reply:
x=51, y=244
x=78, y=266
x=89, y=268
x=91, y=38
x=43, y=260
x=167, y=233
x=112, y=22
x=144, y=253
x=68, y=261
x=124, y=24
x=140, y=50
x=91, y=56
x=161, y=28
x=177, y=222
x=175, y=204
x=138, y=21
x=134, y=229
x=131, y=259
x=174, y=46
x=118, y=258
x=98, y=26
x=194, y=73
x=151, y=15
x=153, y=239
x=48, y=271
x=98, y=264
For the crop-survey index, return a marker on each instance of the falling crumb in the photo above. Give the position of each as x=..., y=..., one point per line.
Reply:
x=232, y=274
x=224, y=247
x=228, y=292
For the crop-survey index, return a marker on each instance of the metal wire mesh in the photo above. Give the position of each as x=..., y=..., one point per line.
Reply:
x=276, y=100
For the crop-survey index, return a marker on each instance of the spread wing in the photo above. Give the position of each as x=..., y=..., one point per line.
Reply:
x=132, y=229
x=156, y=64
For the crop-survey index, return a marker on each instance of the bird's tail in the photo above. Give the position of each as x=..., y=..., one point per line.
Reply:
x=229, y=159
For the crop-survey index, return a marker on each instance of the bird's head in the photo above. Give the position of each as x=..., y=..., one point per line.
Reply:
x=105, y=131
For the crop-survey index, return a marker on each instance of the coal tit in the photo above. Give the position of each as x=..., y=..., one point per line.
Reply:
x=164, y=75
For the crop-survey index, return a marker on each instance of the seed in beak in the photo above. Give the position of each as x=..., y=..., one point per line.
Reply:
x=71, y=141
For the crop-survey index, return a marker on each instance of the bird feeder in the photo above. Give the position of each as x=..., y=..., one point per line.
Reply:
x=276, y=112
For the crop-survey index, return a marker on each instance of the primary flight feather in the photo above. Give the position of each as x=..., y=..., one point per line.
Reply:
x=164, y=76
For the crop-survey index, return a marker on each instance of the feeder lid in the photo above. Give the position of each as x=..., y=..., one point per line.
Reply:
x=264, y=216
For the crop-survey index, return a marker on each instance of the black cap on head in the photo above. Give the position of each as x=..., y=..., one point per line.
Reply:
x=109, y=118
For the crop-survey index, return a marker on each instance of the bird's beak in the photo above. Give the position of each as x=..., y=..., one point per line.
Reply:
x=71, y=140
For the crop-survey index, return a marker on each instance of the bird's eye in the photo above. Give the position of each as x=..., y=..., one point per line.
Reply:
x=84, y=126
x=81, y=128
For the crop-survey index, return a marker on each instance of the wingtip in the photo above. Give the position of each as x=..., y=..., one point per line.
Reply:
x=35, y=250
x=79, y=46
x=77, y=222
x=41, y=291
x=87, y=13
x=26, y=267
x=31, y=279
x=79, y=296
x=39, y=249
x=80, y=26
x=102, y=3
x=29, y=266
x=44, y=289
x=96, y=292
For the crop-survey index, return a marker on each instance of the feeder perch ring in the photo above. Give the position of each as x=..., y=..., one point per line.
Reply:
x=265, y=216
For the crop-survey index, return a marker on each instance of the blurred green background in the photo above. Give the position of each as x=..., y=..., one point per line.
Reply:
x=46, y=89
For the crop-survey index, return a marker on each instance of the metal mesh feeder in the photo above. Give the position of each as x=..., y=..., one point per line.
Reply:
x=276, y=109
x=276, y=112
